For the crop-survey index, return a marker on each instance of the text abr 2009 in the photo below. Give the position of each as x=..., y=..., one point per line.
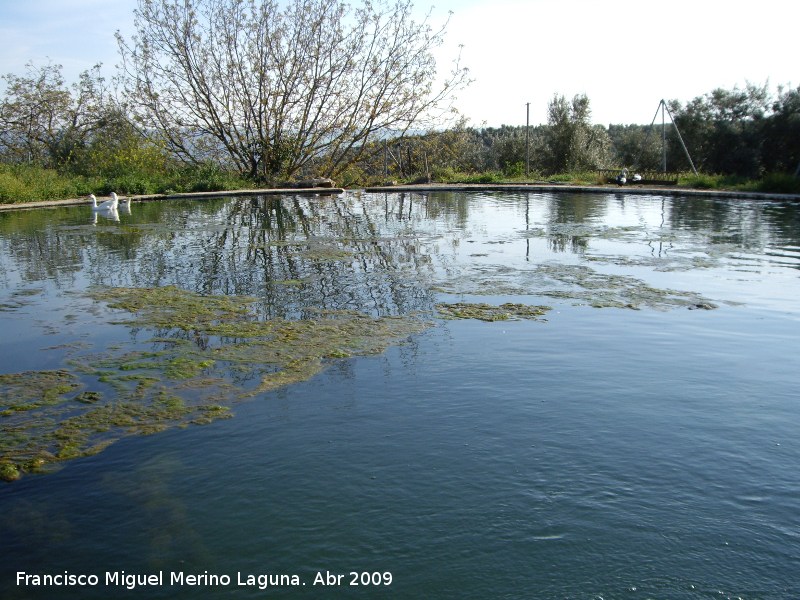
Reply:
x=367, y=578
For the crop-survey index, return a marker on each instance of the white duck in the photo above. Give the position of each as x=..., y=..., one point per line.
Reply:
x=107, y=205
x=111, y=215
x=622, y=178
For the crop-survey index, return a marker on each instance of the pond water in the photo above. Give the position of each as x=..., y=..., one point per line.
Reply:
x=626, y=426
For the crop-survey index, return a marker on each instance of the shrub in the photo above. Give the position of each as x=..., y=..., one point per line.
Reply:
x=27, y=183
x=12, y=189
x=516, y=169
x=443, y=174
x=701, y=181
x=779, y=183
x=577, y=177
x=488, y=177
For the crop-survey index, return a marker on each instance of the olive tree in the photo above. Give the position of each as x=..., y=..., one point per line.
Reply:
x=782, y=133
x=281, y=88
x=572, y=142
x=45, y=122
x=724, y=129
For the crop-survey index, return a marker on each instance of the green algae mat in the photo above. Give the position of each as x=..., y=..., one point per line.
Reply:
x=204, y=354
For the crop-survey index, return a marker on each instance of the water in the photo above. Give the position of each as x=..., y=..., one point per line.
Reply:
x=604, y=452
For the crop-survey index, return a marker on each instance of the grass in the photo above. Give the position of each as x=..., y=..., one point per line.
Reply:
x=27, y=183
x=23, y=183
x=515, y=176
x=775, y=183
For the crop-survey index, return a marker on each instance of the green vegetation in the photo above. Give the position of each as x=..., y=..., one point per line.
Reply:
x=776, y=183
x=481, y=311
x=20, y=184
x=30, y=183
x=62, y=141
x=206, y=353
x=497, y=177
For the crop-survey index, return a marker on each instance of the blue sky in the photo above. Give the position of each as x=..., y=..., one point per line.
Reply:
x=73, y=33
x=624, y=54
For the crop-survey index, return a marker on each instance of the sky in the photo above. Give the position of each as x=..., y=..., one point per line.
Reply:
x=625, y=55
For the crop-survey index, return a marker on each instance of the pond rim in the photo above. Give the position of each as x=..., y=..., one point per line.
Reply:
x=432, y=187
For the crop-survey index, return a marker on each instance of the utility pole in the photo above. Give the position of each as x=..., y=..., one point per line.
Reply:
x=663, y=138
x=527, y=139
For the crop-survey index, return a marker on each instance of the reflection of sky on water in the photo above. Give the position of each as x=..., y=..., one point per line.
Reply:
x=381, y=253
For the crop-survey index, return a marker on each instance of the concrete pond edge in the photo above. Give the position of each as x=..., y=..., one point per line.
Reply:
x=428, y=188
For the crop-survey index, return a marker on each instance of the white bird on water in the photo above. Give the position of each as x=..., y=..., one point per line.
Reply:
x=111, y=215
x=107, y=205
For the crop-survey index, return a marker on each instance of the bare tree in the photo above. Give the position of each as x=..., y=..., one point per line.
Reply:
x=275, y=90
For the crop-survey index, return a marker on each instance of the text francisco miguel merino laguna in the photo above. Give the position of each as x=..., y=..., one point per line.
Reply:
x=179, y=578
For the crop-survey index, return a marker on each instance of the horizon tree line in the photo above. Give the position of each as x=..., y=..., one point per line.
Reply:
x=321, y=88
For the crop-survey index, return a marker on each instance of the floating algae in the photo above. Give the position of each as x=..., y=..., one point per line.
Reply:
x=29, y=403
x=19, y=299
x=488, y=312
x=206, y=353
x=580, y=283
x=43, y=420
x=22, y=392
x=604, y=290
